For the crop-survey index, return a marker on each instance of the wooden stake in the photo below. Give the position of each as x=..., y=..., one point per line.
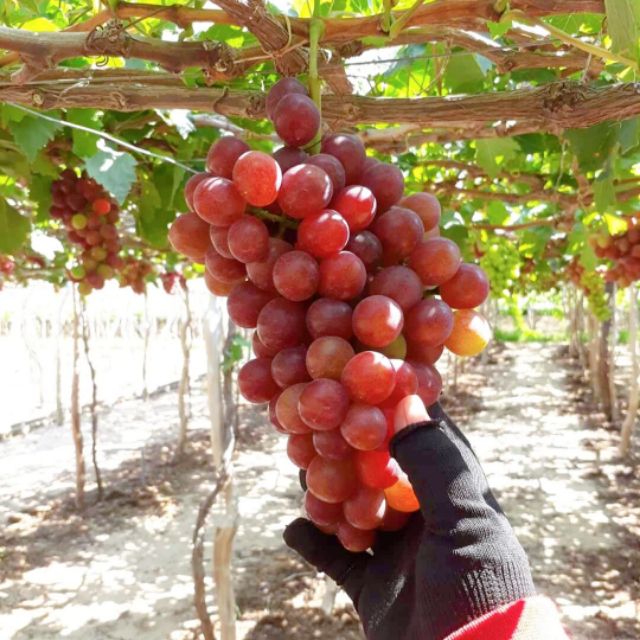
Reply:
x=632, y=410
x=76, y=431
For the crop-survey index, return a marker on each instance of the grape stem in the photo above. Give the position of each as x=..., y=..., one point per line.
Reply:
x=316, y=29
x=274, y=217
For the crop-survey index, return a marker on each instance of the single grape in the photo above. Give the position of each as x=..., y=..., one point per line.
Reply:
x=258, y=178
x=322, y=514
x=468, y=288
x=426, y=206
x=401, y=496
x=355, y=540
x=424, y=353
x=189, y=235
x=377, y=321
x=365, y=509
x=364, y=427
x=223, y=154
x=300, y=449
x=323, y=234
x=255, y=381
x=245, y=302
x=323, y=404
x=342, y=276
x=281, y=324
x=222, y=268
x=288, y=366
x=429, y=382
x=369, y=377
x=248, y=240
x=386, y=182
x=393, y=520
x=272, y=415
x=287, y=409
x=377, y=469
x=261, y=273
x=332, y=481
x=368, y=248
x=296, y=275
x=218, y=202
x=329, y=317
x=429, y=322
x=398, y=283
x=470, y=335
x=399, y=230
x=259, y=349
x=406, y=382
x=288, y=157
x=332, y=167
x=331, y=445
x=306, y=190
x=279, y=90
x=327, y=357
x=349, y=150
x=296, y=119
x=435, y=260
x=357, y=205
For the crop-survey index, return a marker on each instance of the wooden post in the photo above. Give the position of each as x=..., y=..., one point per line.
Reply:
x=76, y=431
x=184, y=329
x=613, y=341
x=59, y=338
x=632, y=410
x=145, y=348
x=592, y=325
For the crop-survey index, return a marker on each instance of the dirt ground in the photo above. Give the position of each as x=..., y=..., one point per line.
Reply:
x=122, y=572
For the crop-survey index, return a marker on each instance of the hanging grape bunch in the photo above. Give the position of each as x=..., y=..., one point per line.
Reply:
x=623, y=250
x=353, y=297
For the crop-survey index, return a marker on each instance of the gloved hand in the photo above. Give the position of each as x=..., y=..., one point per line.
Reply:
x=457, y=558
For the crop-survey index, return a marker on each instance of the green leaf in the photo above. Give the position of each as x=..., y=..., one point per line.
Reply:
x=497, y=212
x=588, y=258
x=493, y=153
x=603, y=192
x=623, y=21
x=32, y=134
x=40, y=194
x=152, y=215
x=498, y=29
x=14, y=228
x=629, y=135
x=593, y=145
x=464, y=74
x=114, y=170
x=85, y=144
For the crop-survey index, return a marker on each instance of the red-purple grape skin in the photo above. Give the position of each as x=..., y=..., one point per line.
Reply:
x=342, y=276
x=296, y=119
x=306, y=190
x=426, y=206
x=331, y=481
x=406, y=382
x=190, y=187
x=398, y=283
x=259, y=349
x=223, y=154
x=218, y=202
x=368, y=248
x=261, y=273
x=327, y=357
x=357, y=205
x=248, y=240
x=189, y=235
x=323, y=234
x=332, y=167
x=300, y=449
x=281, y=324
x=323, y=404
x=468, y=288
x=220, y=240
x=288, y=157
x=369, y=377
x=399, y=230
x=429, y=382
x=296, y=275
x=355, y=540
x=349, y=150
x=288, y=366
x=423, y=352
x=257, y=177
x=365, y=509
x=287, y=409
x=322, y=514
x=429, y=322
x=386, y=182
x=217, y=287
x=329, y=317
x=364, y=427
x=272, y=415
x=224, y=269
x=377, y=321
x=245, y=302
x=279, y=90
x=255, y=381
x=435, y=260
x=377, y=469
x=331, y=445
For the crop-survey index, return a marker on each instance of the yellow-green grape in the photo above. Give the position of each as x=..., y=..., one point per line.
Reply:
x=594, y=288
x=501, y=262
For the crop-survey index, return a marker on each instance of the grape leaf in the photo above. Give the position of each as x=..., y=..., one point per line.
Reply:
x=14, y=228
x=497, y=212
x=623, y=21
x=85, y=144
x=593, y=145
x=114, y=170
x=32, y=134
x=493, y=153
x=603, y=192
x=40, y=194
x=464, y=74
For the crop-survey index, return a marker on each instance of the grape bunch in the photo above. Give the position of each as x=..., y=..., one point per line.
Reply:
x=353, y=296
x=623, y=250
x=89, y=216
x=171, y=280
x=7, y=267
x=592, y=284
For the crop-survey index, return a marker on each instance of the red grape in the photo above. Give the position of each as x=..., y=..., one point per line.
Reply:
x=364, y=427
x=272, y=415
x=406, y=382
x=429, y=382
x=393, y=520
x=342, y=276
x=377, y=469
x=365, y=509
x=468, y=288
x=222, y=268
x=332, y=481
x=323, y=234
x=322, y=514
x=424, y=353
x=279, y=90
x=220, y=240
x=349, y=150
x=399, y=230
x=281, y=324
x=306, y=190
x=323, y=404
x=368, y=248
x=327, y=357
x=288, y=366
x=300, y=449
x=261, y=273
x=369, y=377
x=426, y=206
x=398, y=283
x=287, y=409
x=429, y=322
x=331, y=445
x=189, y=235
x=189, y=188
x=435, y=260
x=255, y=381
x=401, y=496
x=258, y=178
x=288, y=157
x=377, y=321
x=217, y=287
x=386, y=182
x=355, y=540
x=248, y=240
x=256, y=345
x=357, y=205
x=329, y=317
x=218, y=202
x=296, y=119
x=245, y=302
x=296, y=275
x=333, y=168
x=223, y=155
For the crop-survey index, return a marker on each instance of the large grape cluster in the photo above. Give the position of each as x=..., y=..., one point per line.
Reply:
x=353, y=297
x=592, y=284
x=623, y=250
x=501, y=260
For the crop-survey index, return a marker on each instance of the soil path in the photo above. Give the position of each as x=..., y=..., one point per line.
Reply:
x=123, y=572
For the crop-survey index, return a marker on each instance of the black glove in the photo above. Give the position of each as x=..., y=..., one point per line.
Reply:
x=456, y=559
